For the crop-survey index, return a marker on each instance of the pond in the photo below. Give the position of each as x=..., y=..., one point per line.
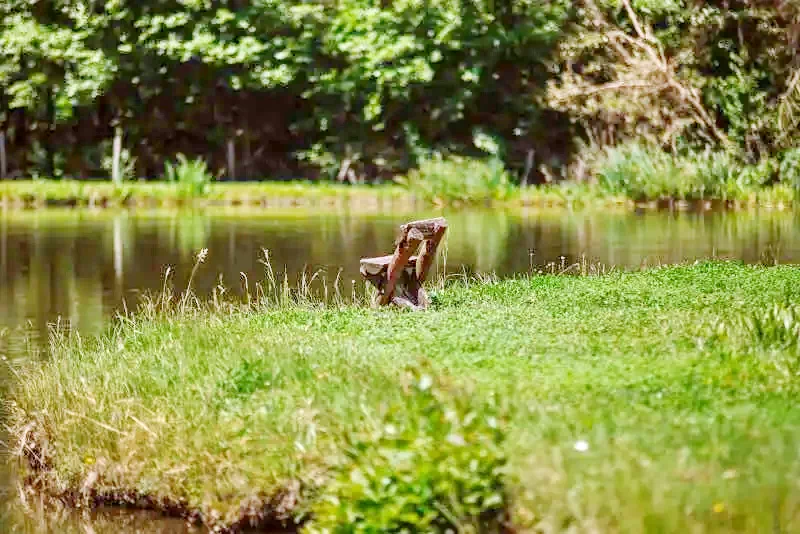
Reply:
x=76, y=269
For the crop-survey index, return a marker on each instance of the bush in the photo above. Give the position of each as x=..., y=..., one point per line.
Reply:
x=435, y=464
x=190, y=177
x=457, y=179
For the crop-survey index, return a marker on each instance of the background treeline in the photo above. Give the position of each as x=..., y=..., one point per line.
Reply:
x=363, y=89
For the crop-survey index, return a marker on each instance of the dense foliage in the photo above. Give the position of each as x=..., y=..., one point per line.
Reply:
x=360, y=88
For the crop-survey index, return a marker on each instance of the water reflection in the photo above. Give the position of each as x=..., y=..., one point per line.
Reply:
x=31, y=516
x=79, y=266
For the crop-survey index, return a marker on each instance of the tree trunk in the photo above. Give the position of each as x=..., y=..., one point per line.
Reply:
x=116, y=175
x=231, y=159
x=50, y=160
x=3, y=161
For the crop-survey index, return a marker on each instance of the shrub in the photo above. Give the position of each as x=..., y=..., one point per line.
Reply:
x=435, y=464
x=191, y=178
x=458, y=179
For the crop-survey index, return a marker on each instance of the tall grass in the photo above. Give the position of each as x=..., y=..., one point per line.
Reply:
x=459, y=180
x=643, y=172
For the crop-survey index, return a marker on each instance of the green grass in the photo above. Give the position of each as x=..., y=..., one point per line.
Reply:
x=632, y=402
x=43, y=193
x=417, y=192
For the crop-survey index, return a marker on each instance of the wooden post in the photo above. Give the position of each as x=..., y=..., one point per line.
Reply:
x=116, y=156
x=399, y=276
x=231, y=159
x=3, y=161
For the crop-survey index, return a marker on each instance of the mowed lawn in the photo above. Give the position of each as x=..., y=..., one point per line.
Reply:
x=658, y=401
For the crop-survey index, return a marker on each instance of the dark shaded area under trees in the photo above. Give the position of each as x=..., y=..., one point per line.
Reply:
x=292, y=89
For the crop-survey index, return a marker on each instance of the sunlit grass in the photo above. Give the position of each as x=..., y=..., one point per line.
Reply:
x=628, y=410
x=42, y=193
x=281, y=195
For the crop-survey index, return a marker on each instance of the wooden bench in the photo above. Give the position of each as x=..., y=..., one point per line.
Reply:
x=398, y=277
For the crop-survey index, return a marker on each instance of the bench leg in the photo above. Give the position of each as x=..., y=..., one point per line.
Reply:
x=429, y=248
x=405, y=249
x=408, y=291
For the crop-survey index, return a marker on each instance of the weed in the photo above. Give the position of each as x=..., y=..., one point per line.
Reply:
x=191, y=178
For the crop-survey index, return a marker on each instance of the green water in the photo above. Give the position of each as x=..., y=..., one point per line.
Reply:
x=77, y=268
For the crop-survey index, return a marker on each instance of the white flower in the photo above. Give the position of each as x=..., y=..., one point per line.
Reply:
x=581, y=446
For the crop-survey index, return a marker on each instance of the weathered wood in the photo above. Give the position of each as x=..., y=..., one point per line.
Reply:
x=429, y=253
x=427, y=227
x=402, y=254
x=398, y=277
x=380, y=264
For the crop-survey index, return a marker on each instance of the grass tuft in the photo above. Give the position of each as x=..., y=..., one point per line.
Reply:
x=191, y=179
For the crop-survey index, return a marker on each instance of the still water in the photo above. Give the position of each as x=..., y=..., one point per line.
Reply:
x=77, y=268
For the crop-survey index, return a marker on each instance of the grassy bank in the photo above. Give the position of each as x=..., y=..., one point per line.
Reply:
x=44, y=193
x=51, y=193
x=659, y=401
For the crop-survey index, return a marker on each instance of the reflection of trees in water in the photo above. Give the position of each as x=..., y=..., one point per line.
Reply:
x=629, y=240
x=478, y=240
x=189, y=232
